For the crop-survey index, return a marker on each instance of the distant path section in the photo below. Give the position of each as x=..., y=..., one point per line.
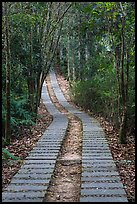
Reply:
x=100, y=181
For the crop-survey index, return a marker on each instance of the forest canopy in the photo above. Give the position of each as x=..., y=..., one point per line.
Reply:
x=92, y=42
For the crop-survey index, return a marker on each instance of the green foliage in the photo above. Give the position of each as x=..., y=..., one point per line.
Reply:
x=94, y=48
x=7, y=155
x=34, y=29
x=22, y=18
x=91, y=35
x=91, y=95
x=20, y=114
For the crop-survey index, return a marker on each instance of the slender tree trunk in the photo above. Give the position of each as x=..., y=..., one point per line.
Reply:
x=80, y=57
x=118, y=83
x=127, y=75
x=41, y=80
x=31, y=78
x=86, y=47
x=38, y=91
x=31, y=89
x=82, y=61
x=79, y=68
x=68, y=57
x=123, y=126
x=8, y=68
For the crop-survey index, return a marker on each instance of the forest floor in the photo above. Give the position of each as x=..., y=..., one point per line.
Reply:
x=123, y=155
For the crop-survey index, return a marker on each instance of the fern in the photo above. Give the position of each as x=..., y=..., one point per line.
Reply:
x=7, y=155
x=26, y=122
x=14, y=121
x=20, y=114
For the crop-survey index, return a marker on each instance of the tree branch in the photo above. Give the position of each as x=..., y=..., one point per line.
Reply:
x=58, y=21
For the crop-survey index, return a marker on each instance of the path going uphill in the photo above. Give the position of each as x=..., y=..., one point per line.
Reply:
x=100, y=181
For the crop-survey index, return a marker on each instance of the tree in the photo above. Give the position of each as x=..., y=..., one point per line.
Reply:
x=30, y=49
x=105, y=33
x=8, y=68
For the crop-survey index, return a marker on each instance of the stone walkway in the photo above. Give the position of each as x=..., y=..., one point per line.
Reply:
x=100, y=181
x=31, y=181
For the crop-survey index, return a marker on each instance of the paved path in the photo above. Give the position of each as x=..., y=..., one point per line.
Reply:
x=31, y=181
x=100, y=181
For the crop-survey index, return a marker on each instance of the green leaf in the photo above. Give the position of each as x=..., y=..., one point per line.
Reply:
x=7, y=154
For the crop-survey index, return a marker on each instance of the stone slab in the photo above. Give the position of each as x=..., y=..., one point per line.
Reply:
x=101, y=185
x=39, y=181
x=40, y=162
x=88, y=157
x=43, y=148
x=36, y=170
x=104, y=192
x=22, y=195
x=103, y=199
x=99, y=161
x=37, y=166
x=44, y=151
x=99, y=168
x=100, y=173
x=41, y=157
x=23, y=188
x=24, y=200
x=100, y=179
x=96, y=154
x=43, y=154
x=33, y=176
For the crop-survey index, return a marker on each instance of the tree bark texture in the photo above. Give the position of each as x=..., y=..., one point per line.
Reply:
x=123, y=126
x=8, y=68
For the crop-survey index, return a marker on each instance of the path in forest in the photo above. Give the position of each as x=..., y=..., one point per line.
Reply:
x=31, y=181
x=100, y=181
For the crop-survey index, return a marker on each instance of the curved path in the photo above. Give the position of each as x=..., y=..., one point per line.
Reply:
x=31, y=181
x=100, y=181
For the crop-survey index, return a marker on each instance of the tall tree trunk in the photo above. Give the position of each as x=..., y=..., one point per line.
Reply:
x=123, y=126
x=8, y=67
x=39, y=89
x=31, y=90
x=82, y=59
x=127, y=75
x=31, y=78
x=68, y=59
x=116, y=65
